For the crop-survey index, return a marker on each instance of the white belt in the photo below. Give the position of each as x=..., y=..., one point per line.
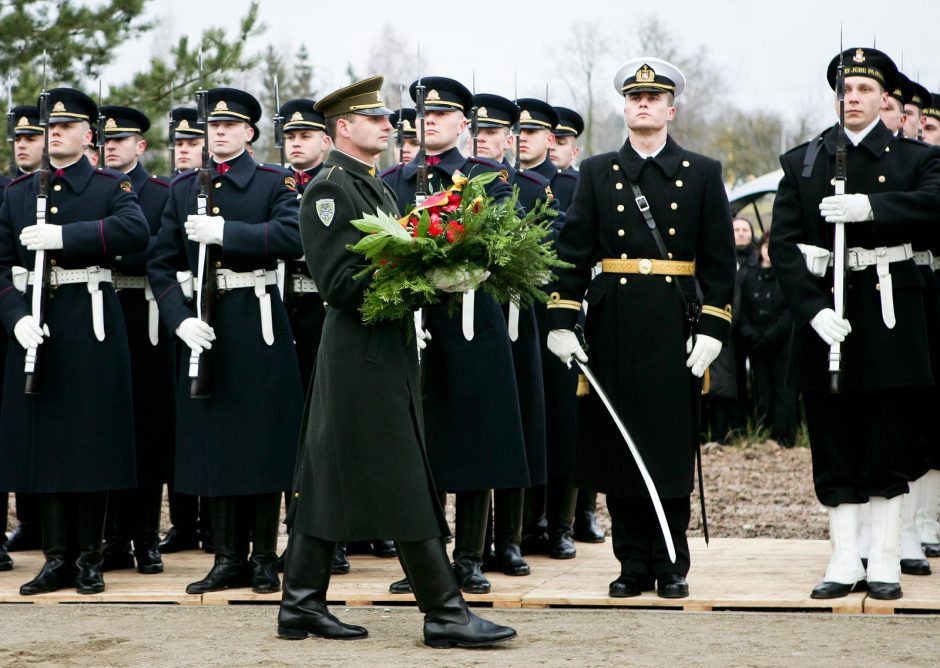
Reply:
x=862, y=258
x=466, y=314
x=924, y=259
x=512, y=323
x=302, y=284
x=226, y=279
x=122, y=282
x=91, y=276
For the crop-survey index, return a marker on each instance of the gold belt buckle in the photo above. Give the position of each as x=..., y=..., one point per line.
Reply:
x=645, y=266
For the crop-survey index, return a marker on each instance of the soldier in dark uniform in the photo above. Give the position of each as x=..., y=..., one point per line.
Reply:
x=364, y=474
x=641, y=302
x=27, y=152
x=410, y=143
x=914, y=111
x=861, y=437
x=495, y=116
x=566, y=150
x=237, y=446
x=187, y=523
x=466, y=379
x=135, y=514
x=74, y=442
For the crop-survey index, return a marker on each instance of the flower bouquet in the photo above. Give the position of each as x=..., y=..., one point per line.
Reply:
x=455, y=240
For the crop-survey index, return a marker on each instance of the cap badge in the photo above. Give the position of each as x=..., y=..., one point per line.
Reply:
x=406, y=125
x=23, y=121
x=859, y=56
x=433, y=96
x=525, y=115
x=110, y=124
x=482, y=112
x=183, y=125
x=297, y=116
x=221, y=106
x=58, y=106
x=645, y=74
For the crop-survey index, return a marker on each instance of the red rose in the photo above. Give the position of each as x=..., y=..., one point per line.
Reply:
x=450, y=208
x=383, y=262
x=436, y=229
x=454, y=198
x=435, y=218
x=451, y=236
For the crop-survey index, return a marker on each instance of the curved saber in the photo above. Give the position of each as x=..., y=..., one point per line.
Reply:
x=650, y=485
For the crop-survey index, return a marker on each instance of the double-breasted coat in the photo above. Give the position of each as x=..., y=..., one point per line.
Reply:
x=636, y=324
x=78, y=435
x=243, y=439
x=362, y=470
x=472, y=417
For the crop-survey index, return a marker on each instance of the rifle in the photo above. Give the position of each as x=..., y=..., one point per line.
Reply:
x=474, y=118
x=171, y=136
x=839, y=249
x=209, y=254
x=11, y=130
x=279, y=124
x=100, y=139
x=516, y=127
x=40, y=298
x=400, y=125
x=422, y=186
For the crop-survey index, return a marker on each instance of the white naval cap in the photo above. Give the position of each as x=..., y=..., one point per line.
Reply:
x=649, y=75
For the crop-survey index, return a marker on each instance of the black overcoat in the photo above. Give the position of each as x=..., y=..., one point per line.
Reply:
x=78, y=436
x=636, y=323
x=243, y=439
x=902, y=179
x=472, y=417
x=362, y=470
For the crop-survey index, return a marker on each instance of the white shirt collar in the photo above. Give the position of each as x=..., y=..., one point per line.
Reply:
x=857, y=137
x=644, y=156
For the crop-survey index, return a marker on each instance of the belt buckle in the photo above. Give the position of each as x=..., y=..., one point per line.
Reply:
x=221, y=281
x=645, y=266
x=642, y=204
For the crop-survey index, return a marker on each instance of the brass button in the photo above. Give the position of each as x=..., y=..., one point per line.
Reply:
x=672, y=231
x=616, y=168
x=623, y=256
x=685, y=163
x=218, y=184
x=669, y=279
x=623, y=281
x=620, y=208
x=52, y=262
x=619, y=186
x=881, y=179
x=679, y=183
x=218, y=265
x=878, y=286
x=296, y=494
x=54, y=209
x=215, y=209
x=620, y=233
x=669, y=255
x=57, y=187
x=673, y=206
x=887, y=149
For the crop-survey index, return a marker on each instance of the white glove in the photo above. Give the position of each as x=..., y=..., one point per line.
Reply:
x=458, y=280
x=830, y=327
x=846, y=208
x=42, y=237
x=196, y=334
x=28, y=332
x=421, y=333
x=205, y=229
x=564, y=344
x=702, y=353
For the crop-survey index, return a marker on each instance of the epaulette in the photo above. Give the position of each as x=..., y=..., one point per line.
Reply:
x=272, y=168
x=566, y=175
x=492, y=164
x=536, y=177
x=21, y=177
x=185, y=175
x=159, y=181
x=390, y=170
x=110, y=173
x=332, y=174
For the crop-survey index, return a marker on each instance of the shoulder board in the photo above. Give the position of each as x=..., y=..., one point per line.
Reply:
x=185, y=175
x=536, y=177
x=272, y=168
x=111, y=174
x=390, y=170
x=20, y=178
x=159, y=181
x=492, y=164
x=566, y=175
x=333, y=174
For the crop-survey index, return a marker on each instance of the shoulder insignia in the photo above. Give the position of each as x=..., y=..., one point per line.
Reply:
x=126, y=185
x=290, y=183
x=185, y=175
x=548, y=193
x=504, y=175
x=326, y=208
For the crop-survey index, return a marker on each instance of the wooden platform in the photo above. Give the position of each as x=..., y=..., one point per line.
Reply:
x=731, y=574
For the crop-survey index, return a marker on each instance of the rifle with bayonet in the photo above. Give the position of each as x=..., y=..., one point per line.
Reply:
x=279, y=124
x=422, y=186
x=99, y=142
x=40, y=298
x=839, y=248
x=517, y=128
x=205, y=292
x=400, y=125
x=11, y=131
x=474, y=119
x=171, y=137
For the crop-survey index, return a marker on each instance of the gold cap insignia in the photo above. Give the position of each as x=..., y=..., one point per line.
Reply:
x=23, y=121
x=859, y=56
x=406, y=125
x=297, y=116
x=110, y=123
x=221, y=106
x=525, y=115
x=482, y=112
x=58, y=106
x=378, y=97
x=183, y=125
x=433, y=95
x=645, y=74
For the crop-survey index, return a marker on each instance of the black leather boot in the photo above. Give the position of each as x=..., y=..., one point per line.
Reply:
x=560, y=508
x=560, y=540
x=340, y=560
x=89, y=532
x=6, y=563
x=148, y=502
x=586, y=528
x=230, y=570
x=264, y=579
x=448, y=621
x=303, y=611
x=472, y=511
x=507, y=531
x=182, y=535
x=57, y=572
x=28, y=532
x=117, y=553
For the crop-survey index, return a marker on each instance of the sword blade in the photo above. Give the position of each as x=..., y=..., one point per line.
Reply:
x=644, y=473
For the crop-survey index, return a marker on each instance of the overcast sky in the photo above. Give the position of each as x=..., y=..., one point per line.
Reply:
x=771, y=55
